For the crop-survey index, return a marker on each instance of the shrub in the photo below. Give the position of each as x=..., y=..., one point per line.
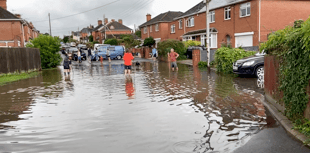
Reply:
x=225, y=57
x=191, y=43
x=165, y=46
x=49, y=50
x=112, y=41
x=149, y=42
x=202, y=64
x=91, y=38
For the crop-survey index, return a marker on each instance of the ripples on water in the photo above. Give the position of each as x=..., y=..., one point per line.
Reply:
x=155, y=110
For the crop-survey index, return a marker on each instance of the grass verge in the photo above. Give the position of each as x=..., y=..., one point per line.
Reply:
x=7, y=78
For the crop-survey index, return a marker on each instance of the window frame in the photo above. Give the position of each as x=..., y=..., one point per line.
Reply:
x=190, y=22
x=227, y=9
x=212, y=13
x=145, y=30
x=180, y=24
x=156, y=27
x=172, y=27
x=245, y=6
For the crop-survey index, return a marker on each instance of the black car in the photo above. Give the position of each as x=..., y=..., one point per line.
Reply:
x=189, y=51
x=253, y=65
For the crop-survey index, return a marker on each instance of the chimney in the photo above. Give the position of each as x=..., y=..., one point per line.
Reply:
x=112, y=20
x=148, y=17
x=120, y=21
x=18, y=15
x=99, y=22
x=3, y=4
x=106, y=21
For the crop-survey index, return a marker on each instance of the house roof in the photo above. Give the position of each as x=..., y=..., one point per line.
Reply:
x=98, y=27
x=201, y=7
x=4, y=14
x=117, y=26
x=86, y=30
x=163, y=17
x=76, y=33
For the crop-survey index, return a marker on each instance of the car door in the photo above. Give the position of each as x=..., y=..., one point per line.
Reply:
x=112, y=52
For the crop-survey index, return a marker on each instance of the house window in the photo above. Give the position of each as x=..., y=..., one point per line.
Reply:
x=212, y=40
x=228, y=39
x=190, y=22
x=151, y=28
x=173, y=28
x=145, y=30
x=212, y=17
x=227, y=13
x=156, y=27
x=180, y=24
x=245, y=9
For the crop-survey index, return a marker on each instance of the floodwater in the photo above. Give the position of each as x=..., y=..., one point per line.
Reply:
x=155, y=110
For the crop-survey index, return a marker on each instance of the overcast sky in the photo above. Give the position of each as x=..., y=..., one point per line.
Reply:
x=133, y=12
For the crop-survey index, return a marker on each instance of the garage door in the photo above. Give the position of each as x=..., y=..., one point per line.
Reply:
x=244, y=39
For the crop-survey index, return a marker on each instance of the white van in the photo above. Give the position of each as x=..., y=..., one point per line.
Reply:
x=72, y=44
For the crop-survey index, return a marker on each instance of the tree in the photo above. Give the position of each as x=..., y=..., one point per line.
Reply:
x=138, y=33
x=66, y=39
x=91, y=38
x=112, y=41
x=49, y=48
x=129, y=41
x=149, y=42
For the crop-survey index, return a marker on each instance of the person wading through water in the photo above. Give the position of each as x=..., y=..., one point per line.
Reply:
x=173, y=58
x=108, y=54
x=67, y=65
x=128, y=61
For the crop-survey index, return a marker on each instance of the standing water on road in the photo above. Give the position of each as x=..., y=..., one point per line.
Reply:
x=155, y=110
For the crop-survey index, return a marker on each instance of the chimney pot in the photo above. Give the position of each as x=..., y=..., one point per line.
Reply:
x=18, y=15
x=120, y=21
x=3, y=4
x=99, y=22
x=148, y=17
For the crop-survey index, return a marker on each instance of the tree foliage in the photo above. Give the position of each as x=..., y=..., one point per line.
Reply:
x=112, y=41
x=129, y=41
x=149, y=42
x=49, y=50
x=66, y=39
x=138, y=33
x=91, y=38
x=225, y=57
x=165, y=46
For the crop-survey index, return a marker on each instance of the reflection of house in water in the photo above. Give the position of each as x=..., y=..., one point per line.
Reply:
x=232, y=115
x=17, y=97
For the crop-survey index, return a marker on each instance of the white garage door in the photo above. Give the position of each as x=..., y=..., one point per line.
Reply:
x=244, y=39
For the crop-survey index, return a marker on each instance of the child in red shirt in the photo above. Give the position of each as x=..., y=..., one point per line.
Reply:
x=128, y=61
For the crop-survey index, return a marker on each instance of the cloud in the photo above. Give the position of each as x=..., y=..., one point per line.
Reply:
x=132, y=12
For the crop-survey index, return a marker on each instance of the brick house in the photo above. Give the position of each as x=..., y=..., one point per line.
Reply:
x=241, y=23
x=158, y=27
x=85, y=33
x=14, y=31
x=112, y=29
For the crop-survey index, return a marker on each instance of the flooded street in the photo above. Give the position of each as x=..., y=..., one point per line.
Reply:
x=155, y=110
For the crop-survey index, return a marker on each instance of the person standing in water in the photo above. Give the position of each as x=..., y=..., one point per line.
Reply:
x=128, y=61
x=173, y=59
x=108, y=54
x=67, y=65
x=154, y=52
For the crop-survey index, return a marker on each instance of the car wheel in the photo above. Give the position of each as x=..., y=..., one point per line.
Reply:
x=119, y=57
x=260, y=71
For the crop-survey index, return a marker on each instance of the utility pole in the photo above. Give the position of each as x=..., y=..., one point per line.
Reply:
x=105, y=28
x=49, y=18
x=208, y=31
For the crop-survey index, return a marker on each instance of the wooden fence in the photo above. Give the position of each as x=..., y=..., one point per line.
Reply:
x=19, y=60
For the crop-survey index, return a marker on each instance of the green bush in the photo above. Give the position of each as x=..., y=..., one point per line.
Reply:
x=149, y=42
x=165, y=46
x=112, y=41
x=202, y=64
x=49, y=50
x=191, y=43
x=225, y=57
x=292, y=46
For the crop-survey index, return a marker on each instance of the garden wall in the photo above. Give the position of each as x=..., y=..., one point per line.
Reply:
x=271, y=81
x=19, y=60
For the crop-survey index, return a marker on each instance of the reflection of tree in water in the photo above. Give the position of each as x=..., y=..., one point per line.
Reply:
x=232, y=115
x=17, y=97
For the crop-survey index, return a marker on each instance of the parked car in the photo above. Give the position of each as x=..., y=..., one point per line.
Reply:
x=97, y=46
x=82, y=46
x=189, y=51
x=116, y=52
x=74, y=51
x=72, y=44
x=253, y=65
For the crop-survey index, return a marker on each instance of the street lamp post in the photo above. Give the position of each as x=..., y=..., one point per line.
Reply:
x=207, y=31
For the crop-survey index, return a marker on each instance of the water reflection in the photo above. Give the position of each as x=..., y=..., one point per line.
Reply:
x=153, y=110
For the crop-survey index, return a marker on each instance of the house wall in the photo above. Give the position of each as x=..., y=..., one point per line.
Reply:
x=163, y=31
x=284, y=14
x=119, y=32
x=11, y=31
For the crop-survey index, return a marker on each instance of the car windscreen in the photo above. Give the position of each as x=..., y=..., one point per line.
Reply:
x=111, y=48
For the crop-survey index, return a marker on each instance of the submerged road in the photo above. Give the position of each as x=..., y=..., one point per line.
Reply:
x=155, y=110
